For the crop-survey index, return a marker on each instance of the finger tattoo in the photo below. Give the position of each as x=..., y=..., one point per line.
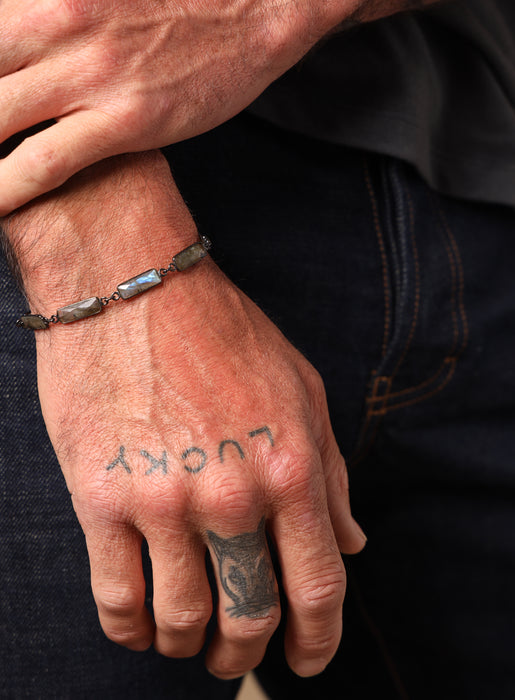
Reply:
x=245, y=571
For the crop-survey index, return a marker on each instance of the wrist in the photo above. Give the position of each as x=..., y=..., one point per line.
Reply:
x=116, y=220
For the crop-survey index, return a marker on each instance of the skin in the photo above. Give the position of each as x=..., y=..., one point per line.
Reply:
x=185, y=417
x=131, y=75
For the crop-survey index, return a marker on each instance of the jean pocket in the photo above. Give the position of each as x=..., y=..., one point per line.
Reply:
x=425, y=321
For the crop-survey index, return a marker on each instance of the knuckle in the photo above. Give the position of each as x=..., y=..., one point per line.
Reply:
x=322, y=599
x=97, y=502
x=232, y=496
x=131, y=112
x=124, y=637
x=119, y=602
x=184, y=621
x=256, y=629
x=314, y=380
x=155, y=500
x=42, y=164
x=296, y=474
x=318, y=646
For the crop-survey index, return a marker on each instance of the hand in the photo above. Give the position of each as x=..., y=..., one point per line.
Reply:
x=185, y=417
x=133, y=75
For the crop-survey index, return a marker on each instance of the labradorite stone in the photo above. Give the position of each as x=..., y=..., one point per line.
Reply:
x=189, y=256
x=80, y=309
x=139, y=284
x=34, y=322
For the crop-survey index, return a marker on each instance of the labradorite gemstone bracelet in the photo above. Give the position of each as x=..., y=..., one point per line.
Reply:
x=130, y=288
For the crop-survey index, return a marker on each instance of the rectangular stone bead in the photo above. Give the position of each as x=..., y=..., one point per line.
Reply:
x=189, y=256
x=80, y=309
x=33, y=322
x=140, y=283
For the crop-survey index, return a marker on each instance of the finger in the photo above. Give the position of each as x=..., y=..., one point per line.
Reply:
x=46, y=160
x=28, y=97
x=182, y=596
x=15, y=49
x=248, y=611
x=119, y=586
x=312, y=570
x=349, y=535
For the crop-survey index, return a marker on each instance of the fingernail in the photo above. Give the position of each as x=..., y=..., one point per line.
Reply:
x=310, y=667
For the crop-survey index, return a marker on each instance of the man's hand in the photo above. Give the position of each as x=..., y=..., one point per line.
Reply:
x=183, y=417
x=139, y=74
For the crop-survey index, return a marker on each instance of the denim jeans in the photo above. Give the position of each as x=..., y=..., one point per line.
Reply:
x=404, y=300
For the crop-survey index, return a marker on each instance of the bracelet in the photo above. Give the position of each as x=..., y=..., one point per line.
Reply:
x=126, y=290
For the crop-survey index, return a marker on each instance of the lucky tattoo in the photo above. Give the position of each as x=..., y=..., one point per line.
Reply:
x=120, y=460
x=222, y=445
x=161, y=464
x=245, y=572
x=194, y=458
x=265, y=430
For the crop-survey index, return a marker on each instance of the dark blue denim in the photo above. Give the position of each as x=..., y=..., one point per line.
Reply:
x=405, y=302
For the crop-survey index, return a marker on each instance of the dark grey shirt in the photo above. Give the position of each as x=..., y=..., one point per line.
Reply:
x=435, y=87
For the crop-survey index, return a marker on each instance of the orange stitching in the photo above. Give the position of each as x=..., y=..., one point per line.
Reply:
x=420, y=386
x=456, y=301
x=361, y=450
x=393, y=407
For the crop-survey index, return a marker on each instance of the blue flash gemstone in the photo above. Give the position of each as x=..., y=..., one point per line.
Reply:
x=140, y=283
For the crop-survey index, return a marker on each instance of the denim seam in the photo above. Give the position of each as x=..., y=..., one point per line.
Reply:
x=384, y=262
x=361, y=449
